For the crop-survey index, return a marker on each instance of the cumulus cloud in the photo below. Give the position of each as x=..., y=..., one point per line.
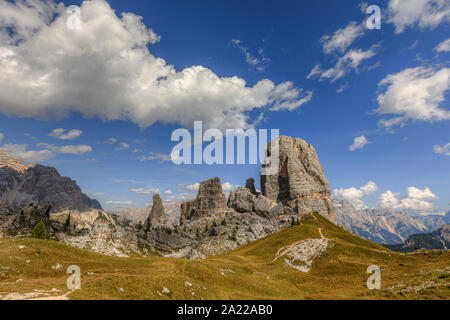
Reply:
x=422, y=13
x=444, y=150
x=444, y=46
x=62, y=134
x=105, y=69
x=20, y=151
x=1, y=136
x=148, y=191
x=349, y=62
x=414, y=94
x=193, y=187
x=354, y=195
x=111, y=140
x=156, y=156
x=70, y=149
x=168, y=192
x=416, y=199
x=227, y=187
x=342, y=38
x=359, y=143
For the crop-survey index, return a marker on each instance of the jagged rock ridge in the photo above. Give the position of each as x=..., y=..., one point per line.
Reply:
x=42, y=186
x=385, y=226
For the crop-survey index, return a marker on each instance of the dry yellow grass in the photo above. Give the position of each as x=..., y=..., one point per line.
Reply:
x=249, y=272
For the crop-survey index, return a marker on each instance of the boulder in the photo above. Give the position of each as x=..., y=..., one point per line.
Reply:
x=241, y=200
x=267, y=208
x=300, y=182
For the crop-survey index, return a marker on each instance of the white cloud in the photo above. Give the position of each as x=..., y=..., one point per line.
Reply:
x=351, y=61
x=444, y=150
x=359, y=143
x=1, y=136
x=111, y=140
x=414, y=94
x=416, y=199
x=444, y=46
x=49, y=70
x=156, y=156
x=123, y=146
x=149, y=191
x=193, y=187
x=226, y=187
x=70, y=149
x=354, y=195
x=342, y=38
x=388, y=200
x=20, y=151
x=168, y=192
x=423, y=13
x=62, y=135
x=259, y=62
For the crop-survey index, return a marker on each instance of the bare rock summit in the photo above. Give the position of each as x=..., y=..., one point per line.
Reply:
x=210, y=198
x=300, y=183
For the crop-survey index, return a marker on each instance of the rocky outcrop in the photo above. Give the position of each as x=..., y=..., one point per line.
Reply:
x=98, y=231
x=242, y=200
x=210, y=198
x=157, y=216
x=300, y=182
x=44, y=187
x=250, y=185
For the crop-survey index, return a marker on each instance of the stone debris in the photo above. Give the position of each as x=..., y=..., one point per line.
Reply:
x=57, y=266
x=302, y=255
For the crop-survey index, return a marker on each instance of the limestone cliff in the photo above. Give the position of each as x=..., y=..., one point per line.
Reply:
x=300, y=182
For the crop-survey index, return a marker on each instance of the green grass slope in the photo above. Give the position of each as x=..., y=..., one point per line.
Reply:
x=246, y=273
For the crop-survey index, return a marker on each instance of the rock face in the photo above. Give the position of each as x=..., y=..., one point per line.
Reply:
x=157, y=216
x=300, y=182
x=210, y=198
x=385, y=226
x=436, y=240
x=42, y=186
x=98, y=231
x=242, y=200
x=250, y=185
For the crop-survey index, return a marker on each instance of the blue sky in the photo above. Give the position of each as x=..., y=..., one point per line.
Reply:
x=73, y=79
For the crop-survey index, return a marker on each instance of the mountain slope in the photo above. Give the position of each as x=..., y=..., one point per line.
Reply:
x=385, y=226
x=250, y=272
x=439, y=239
